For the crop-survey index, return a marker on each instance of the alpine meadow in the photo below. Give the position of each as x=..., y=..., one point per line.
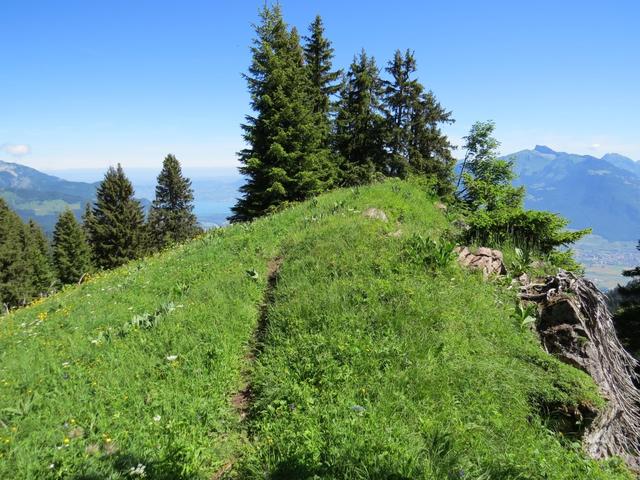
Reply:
x=381, y=302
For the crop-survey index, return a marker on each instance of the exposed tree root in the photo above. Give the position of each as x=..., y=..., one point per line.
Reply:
x=575, y=325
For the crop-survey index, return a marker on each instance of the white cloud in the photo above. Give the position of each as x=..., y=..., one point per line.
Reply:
x=16, y=149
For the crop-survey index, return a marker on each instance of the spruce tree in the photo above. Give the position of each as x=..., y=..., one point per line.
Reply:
x=116, y=226
x=71, y=252
x=38, y=255
x=285, y=160
x=627, y=317
x=430, y=151
x=87, y=219
x=401, y=94
x=171, y=217
x=413, y=117
x=14, y=278
x=318, y=55
x=359, y=123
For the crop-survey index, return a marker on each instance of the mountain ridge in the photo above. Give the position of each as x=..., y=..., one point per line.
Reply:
x=39, y=196
x=591, y=192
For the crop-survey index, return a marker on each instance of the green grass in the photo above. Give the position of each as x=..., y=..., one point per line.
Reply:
x=379, y=359
x=71, y=362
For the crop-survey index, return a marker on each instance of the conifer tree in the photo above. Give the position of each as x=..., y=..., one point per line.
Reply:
x=14, y=277
x=318, y=54
x=171, y=217
x=116, y=224
x=359, y=123
x=71, y=252
x=87, y=218
x=38, y=255
x=401, y=94
x=430, y=151
x=285, y=160
x=412, y=129
x=627, y=316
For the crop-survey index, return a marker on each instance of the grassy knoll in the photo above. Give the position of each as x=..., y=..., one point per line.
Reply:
x=379, y=364
x=380, y=359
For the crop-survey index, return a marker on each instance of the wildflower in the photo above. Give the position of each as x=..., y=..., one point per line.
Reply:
x=66, y=441
x=138, y=471
x=52, y=466
x=42, y=316
x=172, y=358
x=65, y=364
x=157, y=418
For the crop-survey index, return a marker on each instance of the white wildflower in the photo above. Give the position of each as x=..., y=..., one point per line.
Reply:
x=172, y=358
x=138, y=471
x=157, y=418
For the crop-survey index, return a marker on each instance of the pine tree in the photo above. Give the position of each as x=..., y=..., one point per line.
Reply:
x=116, y=224
x=318, y=55
x=285, y=160
x=71, y=252
x=38, y=254
x=14, y=278
x=171, y=218
x=359, y=123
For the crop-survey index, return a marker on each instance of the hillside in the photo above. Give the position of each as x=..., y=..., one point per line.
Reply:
x=314, y=343
x=601, y=193
x=36, y=195
x=41, y=197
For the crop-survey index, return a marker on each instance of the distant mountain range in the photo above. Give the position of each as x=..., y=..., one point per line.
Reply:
x=36, y=195
x=41, y=197
x=601, y=193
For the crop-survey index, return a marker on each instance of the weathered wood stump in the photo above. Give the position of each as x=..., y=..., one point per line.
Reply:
x=575, y=325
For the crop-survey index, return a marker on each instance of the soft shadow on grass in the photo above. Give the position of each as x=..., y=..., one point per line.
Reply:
x=129, y=465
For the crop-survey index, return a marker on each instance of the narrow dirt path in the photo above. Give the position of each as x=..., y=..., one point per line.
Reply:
x=241, y=400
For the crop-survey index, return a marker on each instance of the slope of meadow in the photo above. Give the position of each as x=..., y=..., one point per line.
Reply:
x=366, y=352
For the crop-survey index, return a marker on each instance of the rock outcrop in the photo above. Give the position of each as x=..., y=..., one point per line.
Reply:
x=489, y=261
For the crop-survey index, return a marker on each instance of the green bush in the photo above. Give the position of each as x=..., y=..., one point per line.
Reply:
x=538, y=231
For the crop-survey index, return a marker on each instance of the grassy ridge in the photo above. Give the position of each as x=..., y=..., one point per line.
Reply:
x=377, y=365
x=374, y=365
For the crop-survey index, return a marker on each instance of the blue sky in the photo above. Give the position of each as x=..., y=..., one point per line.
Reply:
x=90, y=83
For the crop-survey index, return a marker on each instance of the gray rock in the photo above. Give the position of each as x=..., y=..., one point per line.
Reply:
x=375, y=214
